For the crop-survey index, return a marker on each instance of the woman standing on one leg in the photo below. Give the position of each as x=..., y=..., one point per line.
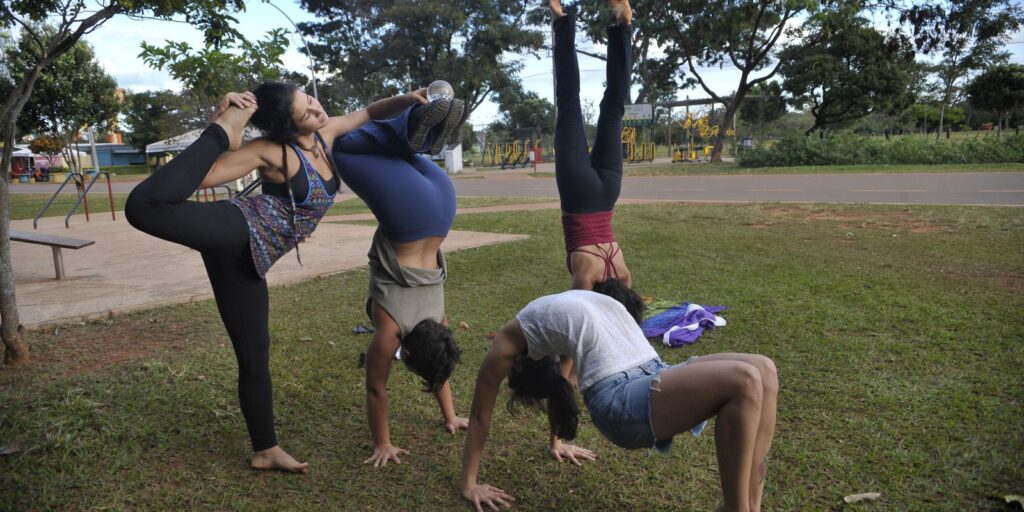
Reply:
x=414, y=202
x=241, y=239
x=634, y=399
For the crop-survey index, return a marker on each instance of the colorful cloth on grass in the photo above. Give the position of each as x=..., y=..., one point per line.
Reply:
x=682, y=324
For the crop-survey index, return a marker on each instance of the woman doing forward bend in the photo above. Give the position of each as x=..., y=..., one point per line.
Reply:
x=414, y=203
x=240, y=239
x=634, y=399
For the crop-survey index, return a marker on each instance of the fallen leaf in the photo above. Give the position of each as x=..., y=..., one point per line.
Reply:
x=10, y=449
x=647, y=299
x=463, y=326
x=1014, y=498
x=304, y=338
x=854, y=498
x=490, y=335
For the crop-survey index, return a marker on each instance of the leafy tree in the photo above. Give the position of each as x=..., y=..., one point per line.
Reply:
x=379, y=47
x=999, y=89
x=654, y=71
x=46, y=145
x=72, y=92
x=228, y=63
x=524, y=109
x=153, y=116
x=968, y=34
x=76, y=19
x=849, y=71
x=764, y=106
x=740, y=33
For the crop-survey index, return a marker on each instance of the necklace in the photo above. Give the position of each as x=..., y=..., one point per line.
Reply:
x=315, y=149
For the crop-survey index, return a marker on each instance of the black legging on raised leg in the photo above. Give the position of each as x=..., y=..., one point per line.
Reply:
x=160, y=207
x=591, y=182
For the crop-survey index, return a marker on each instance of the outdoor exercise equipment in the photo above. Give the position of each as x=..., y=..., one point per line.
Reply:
x=697, y=128
x=635, y=118
x=514, y=153
x=633, y=151
x=82, y=188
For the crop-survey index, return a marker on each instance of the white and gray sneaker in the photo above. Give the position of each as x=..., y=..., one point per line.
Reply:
x=423, y=119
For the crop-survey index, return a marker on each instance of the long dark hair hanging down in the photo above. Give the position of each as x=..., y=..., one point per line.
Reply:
x=534, y=381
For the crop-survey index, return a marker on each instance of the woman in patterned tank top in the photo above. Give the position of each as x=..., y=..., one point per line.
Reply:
x=240, y=239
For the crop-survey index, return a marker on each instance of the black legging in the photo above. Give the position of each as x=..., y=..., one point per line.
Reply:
x=589, y=183
x=159, y=206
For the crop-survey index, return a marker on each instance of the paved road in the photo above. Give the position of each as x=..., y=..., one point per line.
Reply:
x=980, y=188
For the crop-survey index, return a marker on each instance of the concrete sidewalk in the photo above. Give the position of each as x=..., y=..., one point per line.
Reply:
x=127, y=270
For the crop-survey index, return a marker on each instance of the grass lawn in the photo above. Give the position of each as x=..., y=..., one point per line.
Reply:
x=897, y=332
x=26, y=206
x=356, y=205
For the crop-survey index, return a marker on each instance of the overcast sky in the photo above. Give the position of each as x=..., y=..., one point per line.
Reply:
x=118, y=41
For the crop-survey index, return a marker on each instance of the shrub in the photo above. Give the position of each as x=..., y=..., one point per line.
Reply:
x=850, y=149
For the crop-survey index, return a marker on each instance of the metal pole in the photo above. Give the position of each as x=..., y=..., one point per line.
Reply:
x=312, y=72
x=92, y=146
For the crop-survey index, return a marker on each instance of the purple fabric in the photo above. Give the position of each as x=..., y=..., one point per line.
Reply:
x=657, y=325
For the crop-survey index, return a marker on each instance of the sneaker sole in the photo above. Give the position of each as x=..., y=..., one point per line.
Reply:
x=452, y=122
x=436, y=113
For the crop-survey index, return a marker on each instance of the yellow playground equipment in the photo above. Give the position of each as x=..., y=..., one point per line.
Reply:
x=515, y=153
x=697, y=127
x=632, y=151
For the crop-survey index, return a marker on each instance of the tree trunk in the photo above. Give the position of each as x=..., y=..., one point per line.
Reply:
x=730, y=110
x=942, y=116
x=16, y=351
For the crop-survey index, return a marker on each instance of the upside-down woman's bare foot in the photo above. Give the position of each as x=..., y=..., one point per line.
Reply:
x=233, y=120
x=622, y=11
x=556, y=8
x=277, y=458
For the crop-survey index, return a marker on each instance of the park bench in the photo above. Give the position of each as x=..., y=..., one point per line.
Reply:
x=55, y=242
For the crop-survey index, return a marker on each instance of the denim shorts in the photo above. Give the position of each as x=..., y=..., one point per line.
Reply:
x=620, y=406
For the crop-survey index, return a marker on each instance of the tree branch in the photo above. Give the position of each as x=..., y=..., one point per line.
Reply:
x=594, y=55
x=693, y=71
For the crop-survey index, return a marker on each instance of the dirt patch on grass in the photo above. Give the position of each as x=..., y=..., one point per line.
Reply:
x=1012, y=282
x=849, y=220
x=927, y=228
x=68, y=350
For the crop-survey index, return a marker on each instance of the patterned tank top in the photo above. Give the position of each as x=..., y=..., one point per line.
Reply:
x=278, y=224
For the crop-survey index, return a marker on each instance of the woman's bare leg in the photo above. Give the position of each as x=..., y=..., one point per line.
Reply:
x=766, y=426
x=732, y=392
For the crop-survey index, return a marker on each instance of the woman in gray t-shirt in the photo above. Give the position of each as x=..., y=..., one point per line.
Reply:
x=634, y=399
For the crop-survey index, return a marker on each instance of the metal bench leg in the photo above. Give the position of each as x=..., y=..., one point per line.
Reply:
x=58, y=262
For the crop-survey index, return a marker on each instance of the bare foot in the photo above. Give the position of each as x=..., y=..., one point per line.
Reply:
x=233, y=120
x=556, y=8
x=277, y=458
x=623, y=13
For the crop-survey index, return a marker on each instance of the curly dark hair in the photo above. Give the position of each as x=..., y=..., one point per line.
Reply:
x=533, y=381
x=274, y=111
x=625, y=295
x=431, y=353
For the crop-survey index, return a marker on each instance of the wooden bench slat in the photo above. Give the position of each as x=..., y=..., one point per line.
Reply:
x=51, y=240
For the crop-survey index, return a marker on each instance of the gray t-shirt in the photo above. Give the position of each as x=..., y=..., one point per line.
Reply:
x=409, y=295
x=594, y=329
